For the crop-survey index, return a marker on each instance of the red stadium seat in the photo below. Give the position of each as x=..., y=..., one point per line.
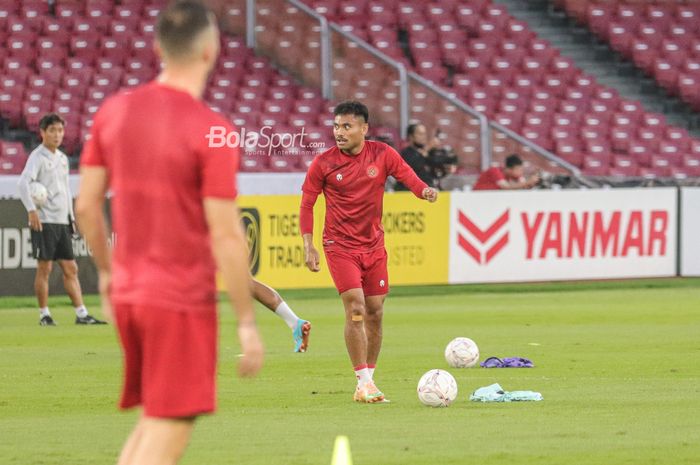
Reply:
x=598, y=18
x=84, y=48
x=594, y=166
x=641, y=152
x=629, y=15
x=659, y=15
x=652, y=34
x=678, y=137
x=569, y=150
x=673, y=52
x=670, y=152
x=564, y=68
x=69, y=9
x=643, y=54
x=620, y=37
x=12, y=151
x=55, y=29
x=87, y=28
x=681, y=34
x=620, y=139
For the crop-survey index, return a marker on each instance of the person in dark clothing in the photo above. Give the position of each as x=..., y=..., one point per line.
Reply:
x=428, y=158
x=416, y=155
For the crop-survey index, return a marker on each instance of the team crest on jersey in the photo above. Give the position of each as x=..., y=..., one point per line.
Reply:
x=372, y=171
x=339, y=177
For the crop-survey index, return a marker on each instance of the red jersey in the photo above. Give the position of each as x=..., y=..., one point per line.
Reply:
x=152, y=142
x=488, y=180
x=354, y=189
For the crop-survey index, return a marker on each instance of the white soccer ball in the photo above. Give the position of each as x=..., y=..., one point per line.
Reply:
x=437, y=388
x=462, y=352
x=38, y=193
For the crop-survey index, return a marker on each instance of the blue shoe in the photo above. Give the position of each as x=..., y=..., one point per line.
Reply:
x=301, y=335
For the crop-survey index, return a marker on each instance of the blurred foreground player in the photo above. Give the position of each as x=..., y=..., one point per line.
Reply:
x=351, y=176
x=52, y=224
x=175, y=217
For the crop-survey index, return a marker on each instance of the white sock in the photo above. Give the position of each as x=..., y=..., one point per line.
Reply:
x=362, y=375
x=283, y=311
x=81, y=311
x=44, y=311
x=371, y=372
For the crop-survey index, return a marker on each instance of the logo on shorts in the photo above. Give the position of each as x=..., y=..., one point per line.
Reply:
x=251, y=225
x=372, y=171
x=339, y=177
x=382, y=283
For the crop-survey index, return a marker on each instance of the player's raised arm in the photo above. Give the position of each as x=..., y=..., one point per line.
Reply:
x=399, y=169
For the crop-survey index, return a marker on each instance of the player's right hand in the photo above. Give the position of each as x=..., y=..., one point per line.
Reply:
x=34, y=222
x=312, y=259
x=430, y=194
x=253, y=353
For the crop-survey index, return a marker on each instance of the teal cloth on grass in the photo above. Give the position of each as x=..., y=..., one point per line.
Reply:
x=495, y=393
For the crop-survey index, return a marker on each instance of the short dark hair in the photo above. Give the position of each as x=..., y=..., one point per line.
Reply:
x=352, y=107
x=180, y=24
x=49, y=119
x=411, y=129
x=513, y=160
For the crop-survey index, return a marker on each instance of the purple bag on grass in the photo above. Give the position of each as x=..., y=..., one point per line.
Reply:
x=508, y=362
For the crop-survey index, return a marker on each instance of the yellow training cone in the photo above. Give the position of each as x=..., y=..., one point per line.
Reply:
x=341, y=451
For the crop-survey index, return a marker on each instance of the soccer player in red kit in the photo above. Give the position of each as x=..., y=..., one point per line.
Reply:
x=351, y=176
x=176, y=220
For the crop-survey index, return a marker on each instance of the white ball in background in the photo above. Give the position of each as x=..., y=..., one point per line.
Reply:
x=437, y=388
x=462, y=352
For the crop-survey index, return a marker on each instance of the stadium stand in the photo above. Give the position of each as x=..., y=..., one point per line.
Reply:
x=661, y=38
x=70, y=56
x=499, y=66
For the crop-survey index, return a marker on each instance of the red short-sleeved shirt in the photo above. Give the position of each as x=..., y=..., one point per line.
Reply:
x=152, y=140
x=488, y=180
x=354, y=189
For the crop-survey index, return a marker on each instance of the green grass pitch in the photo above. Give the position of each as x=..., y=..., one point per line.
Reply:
x=617, y=364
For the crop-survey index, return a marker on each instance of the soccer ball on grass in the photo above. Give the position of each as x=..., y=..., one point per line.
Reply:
x=462, y=352
x=437, y=388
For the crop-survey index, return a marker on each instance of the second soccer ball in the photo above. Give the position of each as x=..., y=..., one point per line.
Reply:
x=462, y=352
x=437, y=388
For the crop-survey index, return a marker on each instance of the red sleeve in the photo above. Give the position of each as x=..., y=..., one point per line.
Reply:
x=313, y=183
x=92, y=154
x=218, y=168
x=398, y=168
x=306, y=212
x=497, y=175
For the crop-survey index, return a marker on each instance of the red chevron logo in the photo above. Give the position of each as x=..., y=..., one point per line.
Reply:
x=478, y=249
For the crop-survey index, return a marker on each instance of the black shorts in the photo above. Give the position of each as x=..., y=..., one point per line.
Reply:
x=54, y=242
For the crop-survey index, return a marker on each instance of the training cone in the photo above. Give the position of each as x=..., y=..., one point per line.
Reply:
x=341, y=451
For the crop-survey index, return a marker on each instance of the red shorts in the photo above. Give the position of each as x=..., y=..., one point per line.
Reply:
x=366, y=270
x=169, y=360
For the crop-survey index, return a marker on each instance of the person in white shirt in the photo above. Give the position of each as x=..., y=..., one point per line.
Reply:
x=52, y=224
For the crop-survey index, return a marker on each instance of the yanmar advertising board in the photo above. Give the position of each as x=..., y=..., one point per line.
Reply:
x=545, y=235
x=690, y=231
